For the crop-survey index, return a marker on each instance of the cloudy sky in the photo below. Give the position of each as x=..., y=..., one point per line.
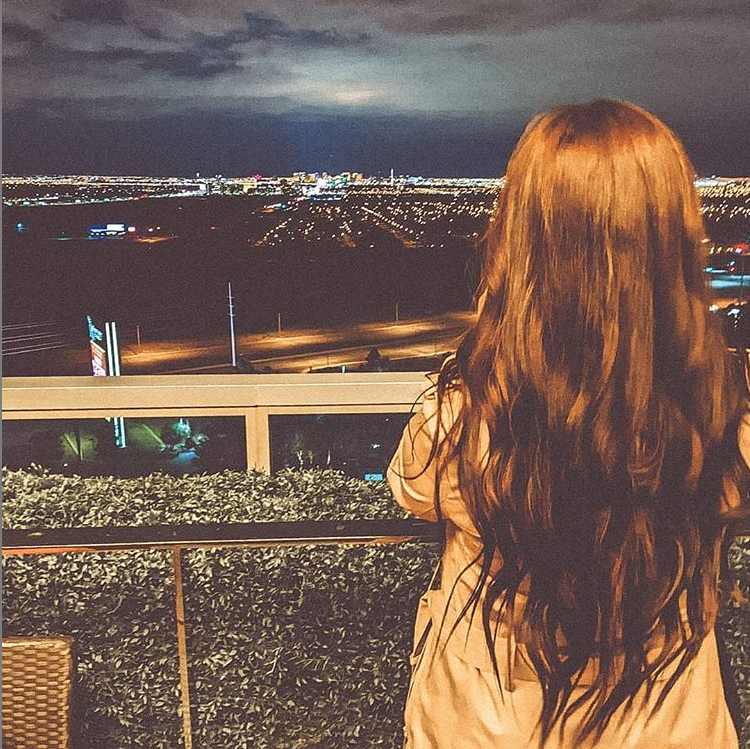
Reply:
x=275, y=86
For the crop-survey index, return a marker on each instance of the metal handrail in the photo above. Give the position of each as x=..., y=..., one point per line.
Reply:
x=27, y=396
x=216, y=535
x=222, y=535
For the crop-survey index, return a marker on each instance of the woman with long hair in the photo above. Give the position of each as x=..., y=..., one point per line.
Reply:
x=584, y=447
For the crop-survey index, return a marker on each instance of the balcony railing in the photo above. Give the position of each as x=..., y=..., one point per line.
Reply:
x=254, y=397
x=176, y=539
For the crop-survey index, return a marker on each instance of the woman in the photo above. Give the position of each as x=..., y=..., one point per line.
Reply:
x=583, y=447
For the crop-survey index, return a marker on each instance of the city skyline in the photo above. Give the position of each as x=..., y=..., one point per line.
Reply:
x=129, y=86
x=30, y=190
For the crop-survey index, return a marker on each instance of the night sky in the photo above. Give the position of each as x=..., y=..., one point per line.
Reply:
x=231, y=87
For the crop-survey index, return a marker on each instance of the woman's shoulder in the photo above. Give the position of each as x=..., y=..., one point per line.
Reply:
x=443, y=400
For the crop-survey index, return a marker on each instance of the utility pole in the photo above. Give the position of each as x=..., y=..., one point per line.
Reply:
x=278, y=321
x=231, y=325
x=396, y=311
x=138, y=336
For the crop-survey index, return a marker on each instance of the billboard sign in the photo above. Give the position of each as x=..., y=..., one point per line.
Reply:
x=98, y=359
x=97, y=352
x=104, y=351
x=100, y=231
x=104, y=348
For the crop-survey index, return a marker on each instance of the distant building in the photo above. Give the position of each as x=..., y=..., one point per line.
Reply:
x=107, y=230
x=268, y=184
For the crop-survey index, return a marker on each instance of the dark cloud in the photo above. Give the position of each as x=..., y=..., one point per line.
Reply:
x=201, y=56
x=461, y=23
x=92, y=11
x=377, y=4
x=151, y=32
x=21, y=32
x=197, y=63
x=264, y=28
x=513, y=16
x=49, y=53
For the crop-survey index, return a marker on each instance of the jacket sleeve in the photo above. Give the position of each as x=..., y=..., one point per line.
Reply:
x=412, y=472
x=731, y=502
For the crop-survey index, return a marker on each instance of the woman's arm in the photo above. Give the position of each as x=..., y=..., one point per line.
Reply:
x=413, y=469
x=411, y=473
x=731, y=502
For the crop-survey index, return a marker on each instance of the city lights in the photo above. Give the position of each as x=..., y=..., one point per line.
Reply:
x=323, y=250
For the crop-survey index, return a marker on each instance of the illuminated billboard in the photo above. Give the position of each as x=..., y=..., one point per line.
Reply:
x=104, y=351
x=104, y=348
x=97, y=351
x=98, y=359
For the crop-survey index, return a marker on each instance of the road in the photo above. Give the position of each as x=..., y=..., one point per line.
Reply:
x=301, y=350
x=288, y=351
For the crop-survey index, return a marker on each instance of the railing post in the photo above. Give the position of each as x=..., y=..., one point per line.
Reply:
x=179, y=602
x=258, y=440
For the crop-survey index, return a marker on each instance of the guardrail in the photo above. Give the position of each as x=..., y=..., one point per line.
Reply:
x=215, y=535
x=175, y=539
x=254, y=397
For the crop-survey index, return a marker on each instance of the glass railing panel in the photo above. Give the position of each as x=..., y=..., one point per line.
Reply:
x=132, y=446
x=360, y=444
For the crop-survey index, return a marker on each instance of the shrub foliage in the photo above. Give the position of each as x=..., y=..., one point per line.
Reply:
x=291, y=648
x=294, y=647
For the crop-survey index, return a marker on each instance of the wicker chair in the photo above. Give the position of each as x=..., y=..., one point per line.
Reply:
x=37, y=673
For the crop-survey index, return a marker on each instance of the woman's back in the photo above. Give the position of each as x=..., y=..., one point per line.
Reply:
x=586, y=457
x=454, y=698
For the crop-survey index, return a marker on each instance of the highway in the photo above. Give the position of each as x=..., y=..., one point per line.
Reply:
x=288, y=351
x=301, y=350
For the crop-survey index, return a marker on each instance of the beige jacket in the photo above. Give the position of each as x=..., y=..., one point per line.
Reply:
x=454, y=701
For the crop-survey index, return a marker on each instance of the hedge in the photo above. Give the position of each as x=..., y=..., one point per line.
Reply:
x=289, y=648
